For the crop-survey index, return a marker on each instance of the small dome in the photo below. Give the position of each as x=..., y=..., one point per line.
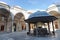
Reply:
x=17, y=6
x=39, y=14
x=3, y=2
x=57, y=3
x=51, y=5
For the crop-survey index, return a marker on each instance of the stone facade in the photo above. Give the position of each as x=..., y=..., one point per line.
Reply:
x=13, y=19
x=54, y=10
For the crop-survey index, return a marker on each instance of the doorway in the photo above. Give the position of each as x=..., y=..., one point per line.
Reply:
x=2, y=28
x=56, y=25
x=23, y=27
x=14, y=27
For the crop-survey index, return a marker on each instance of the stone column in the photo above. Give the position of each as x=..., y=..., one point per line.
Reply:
x=9, y=28
x=27, y=27
x=11, y=25
x=19, y=26
x=53, y=28
x=48, y=28
x=5, y=28
x=58, y=24
x=0, y=27
x=12, y=21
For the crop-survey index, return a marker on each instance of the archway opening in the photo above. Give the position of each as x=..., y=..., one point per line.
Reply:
x=2, y=27
x=54, y=13
x=4, y=15
x=57, y=22
x=14, y=24
x=20, y=23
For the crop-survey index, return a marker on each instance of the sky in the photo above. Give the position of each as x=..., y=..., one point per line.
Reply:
x=31, y=4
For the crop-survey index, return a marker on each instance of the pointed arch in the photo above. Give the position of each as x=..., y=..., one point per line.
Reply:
x=19, y=21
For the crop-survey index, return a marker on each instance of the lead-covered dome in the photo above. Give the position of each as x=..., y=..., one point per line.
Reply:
x=39, y=14
x=3, y=2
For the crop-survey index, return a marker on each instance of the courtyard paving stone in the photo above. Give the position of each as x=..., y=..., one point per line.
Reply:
x=23, y=36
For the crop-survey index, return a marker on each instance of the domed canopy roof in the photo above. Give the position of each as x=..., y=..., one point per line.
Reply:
x=39, y=14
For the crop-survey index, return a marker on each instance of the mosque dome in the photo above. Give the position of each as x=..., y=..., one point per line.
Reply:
x=55, y=5
x=16, y=6
x=39, y=14
x=3, y=2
